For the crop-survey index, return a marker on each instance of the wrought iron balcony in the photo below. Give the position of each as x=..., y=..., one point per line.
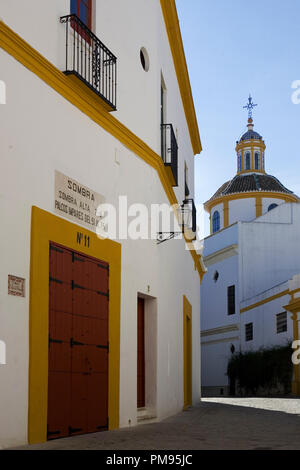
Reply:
x=169, y=152
x=186, y=189
x=90, y=60
x=190, y=218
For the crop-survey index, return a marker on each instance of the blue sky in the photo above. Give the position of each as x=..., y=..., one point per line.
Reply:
x=233, y=48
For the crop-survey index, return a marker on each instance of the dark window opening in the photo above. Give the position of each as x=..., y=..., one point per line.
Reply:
x=144, y=59
x=249, y=332
x=216, y=222
x=231, y=300
x=281, y=322
x=248, y=164
x=272, y=206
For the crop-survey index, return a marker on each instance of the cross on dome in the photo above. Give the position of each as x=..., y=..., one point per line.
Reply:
x=250, y=105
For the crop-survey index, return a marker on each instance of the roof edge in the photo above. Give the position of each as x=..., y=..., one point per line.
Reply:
x=288, y=197
x=170, y=15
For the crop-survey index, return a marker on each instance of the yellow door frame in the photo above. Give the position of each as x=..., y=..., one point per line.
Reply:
x=187, y=353
x=46, y=228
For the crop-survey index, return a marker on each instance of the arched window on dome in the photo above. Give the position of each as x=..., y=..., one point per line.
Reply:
x=263, y=160
x=247, y=161
x=216, y=222
x=272, y=206
x=240, y=163
x=257, y=161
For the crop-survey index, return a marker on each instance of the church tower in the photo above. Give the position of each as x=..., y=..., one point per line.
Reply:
x=252, y=192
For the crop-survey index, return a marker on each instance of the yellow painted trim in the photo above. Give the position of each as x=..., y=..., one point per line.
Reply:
x=173, y=30
x=211, y=203
x=187, y=353
x=293, y=306
x=258, y=205
x=226, y=213
x=265, y=301
x=46, y=227
x=250, y=143
x=73, y=91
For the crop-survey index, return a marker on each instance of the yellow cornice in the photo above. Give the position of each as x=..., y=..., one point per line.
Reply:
x=250, y=143
x=174, y=34
x=91, y=106
x=250, y=194
x=265, y=301
x=293, y=306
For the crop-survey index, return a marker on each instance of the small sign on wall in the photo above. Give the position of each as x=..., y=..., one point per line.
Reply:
x=16, y=286
x=76, y=202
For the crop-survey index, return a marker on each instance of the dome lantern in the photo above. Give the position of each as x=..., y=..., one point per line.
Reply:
x=250, y=147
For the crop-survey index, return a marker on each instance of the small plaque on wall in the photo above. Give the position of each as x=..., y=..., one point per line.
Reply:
x=16, y=286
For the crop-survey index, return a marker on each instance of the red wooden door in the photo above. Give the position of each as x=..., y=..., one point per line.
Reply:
x=141, y=354
x=78, y=344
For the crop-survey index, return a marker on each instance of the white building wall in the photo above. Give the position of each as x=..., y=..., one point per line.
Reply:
x=218, y=329
x=214, y=295
x=216, y=354
x=41, y=133
x=138, y=92
x=263, y=318
x=266, y=202
x=242, y=210
x=270, y=249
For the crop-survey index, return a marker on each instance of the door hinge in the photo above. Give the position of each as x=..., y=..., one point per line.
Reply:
x=77, y=286
x=57, y=341
x=73, y=430
x=106, y=427
x=55, y=248
x=102, y=346
x=102, y=266
x=75, y=343
x=58, y=281
x=105, y=294
x=51, y=433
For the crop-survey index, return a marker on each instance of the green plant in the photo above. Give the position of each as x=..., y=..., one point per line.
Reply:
x=266, y=368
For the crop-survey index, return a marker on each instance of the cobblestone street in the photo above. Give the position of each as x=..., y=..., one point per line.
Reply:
x=216, y=423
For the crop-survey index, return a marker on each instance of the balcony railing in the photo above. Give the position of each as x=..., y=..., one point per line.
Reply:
x=189, y=217
x=186, y=189
x=90, y=60
x=169, y=152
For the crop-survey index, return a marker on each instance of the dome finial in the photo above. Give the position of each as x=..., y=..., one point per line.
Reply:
x=250, y=105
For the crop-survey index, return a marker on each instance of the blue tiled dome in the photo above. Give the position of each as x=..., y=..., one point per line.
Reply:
x=251, y=135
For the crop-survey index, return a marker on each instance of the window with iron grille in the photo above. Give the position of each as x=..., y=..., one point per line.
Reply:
x=281, y=322
x=249, y=331
x=231, y=300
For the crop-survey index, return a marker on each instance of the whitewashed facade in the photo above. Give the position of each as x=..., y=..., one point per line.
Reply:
x=250, y=260
x=48, y=126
